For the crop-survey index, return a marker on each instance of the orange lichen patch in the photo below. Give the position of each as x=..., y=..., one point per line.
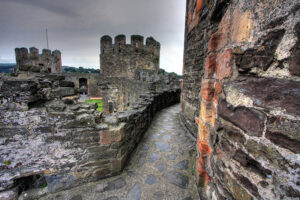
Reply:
x=96, y=98
x=207, y=89
x=206, y=111
x=199, y=5
x=210, y=65
x=219, y=39
x=224, y=65
x=207, y=178
x=242, y=26
x=218, y=90
x=197, y=120
x=203, y=132
x=202, y=176
x=203, y=148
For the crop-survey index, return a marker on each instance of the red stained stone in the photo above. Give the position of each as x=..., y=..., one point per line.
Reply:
x=199, y=5
x=224, y=65
x=218, y=90
x=203, y=148
x=210, y=65
x=207, y=89
x=197, y=120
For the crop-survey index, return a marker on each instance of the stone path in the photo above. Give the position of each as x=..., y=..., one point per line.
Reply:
x=162, y=167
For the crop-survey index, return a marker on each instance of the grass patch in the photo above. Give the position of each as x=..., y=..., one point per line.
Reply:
x=98, y=101
x=7, y=162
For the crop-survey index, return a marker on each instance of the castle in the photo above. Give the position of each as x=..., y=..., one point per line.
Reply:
x=128, y=60
x=49, y=62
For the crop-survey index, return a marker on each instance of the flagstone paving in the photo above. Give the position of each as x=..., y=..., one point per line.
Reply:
x=162, y=167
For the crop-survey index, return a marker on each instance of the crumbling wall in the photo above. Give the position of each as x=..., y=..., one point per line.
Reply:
x=248, y=124
x=49, y=141
x=48, y=62
x=124, y=60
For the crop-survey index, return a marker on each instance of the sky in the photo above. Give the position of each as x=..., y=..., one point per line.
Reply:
x=76, y=26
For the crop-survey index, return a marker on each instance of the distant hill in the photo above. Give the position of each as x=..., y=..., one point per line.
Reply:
x=7, y=67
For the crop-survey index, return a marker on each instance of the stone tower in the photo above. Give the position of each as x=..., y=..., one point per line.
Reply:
x=125, y=60
x=48, y=61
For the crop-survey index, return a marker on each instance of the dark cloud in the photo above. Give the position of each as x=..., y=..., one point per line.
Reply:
x=75, y=27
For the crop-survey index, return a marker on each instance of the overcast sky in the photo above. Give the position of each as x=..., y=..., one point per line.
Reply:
x=75, y=27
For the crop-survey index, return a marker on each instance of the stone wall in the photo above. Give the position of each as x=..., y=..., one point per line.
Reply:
x=48, y=62
x=126, y=60
x=241, y=83
x=48, y=139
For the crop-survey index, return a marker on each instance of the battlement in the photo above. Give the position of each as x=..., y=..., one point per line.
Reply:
x=121, y=59
x=136, y=43
x=47, y=61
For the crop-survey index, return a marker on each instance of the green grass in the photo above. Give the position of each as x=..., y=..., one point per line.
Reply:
x=98, y=101
x=7, y=162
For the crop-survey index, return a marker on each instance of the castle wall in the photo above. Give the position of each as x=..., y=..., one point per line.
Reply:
x=32, y=61
x=123, y=60
x=46, y=136
x=241, y=88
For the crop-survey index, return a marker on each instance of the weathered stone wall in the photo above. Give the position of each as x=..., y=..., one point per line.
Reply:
x=46, y=136
x=48, y=62
x=126, y=60
x=199, y=27
x=247, y=111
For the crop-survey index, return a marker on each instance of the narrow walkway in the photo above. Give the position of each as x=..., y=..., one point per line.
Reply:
x=162, y=167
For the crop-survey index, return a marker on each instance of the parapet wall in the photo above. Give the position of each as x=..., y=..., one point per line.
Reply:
x=119, y=59
x=32, y=61
x=48, y=138
x=241, y=89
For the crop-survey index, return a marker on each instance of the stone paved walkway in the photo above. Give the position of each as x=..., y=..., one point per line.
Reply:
x=162, y=167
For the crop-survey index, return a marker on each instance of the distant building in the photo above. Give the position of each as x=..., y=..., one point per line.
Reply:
x=47, y=62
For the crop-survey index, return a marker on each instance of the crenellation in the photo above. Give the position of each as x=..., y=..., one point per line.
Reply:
x=127, y=60
x=47, y=61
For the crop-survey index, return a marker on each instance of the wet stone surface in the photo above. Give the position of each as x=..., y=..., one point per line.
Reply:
x=160, y=168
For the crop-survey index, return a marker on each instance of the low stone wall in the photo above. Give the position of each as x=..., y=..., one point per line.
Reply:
x=49, y=140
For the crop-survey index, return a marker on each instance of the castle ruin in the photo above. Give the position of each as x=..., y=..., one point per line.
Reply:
x=48, y=62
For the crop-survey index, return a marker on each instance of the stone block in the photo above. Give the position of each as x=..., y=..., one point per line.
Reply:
x=236, y=190
x=224, y=65
x=251, y=164
x=210, y=66
x=207, y=89
x=249, y=120
x=112, y=135
x=242, y=26
x=66, y=84
x=266, y=152
x=284, y=141
x=270, y=93
x=233, y=135
x=206, y=113
x=218, y=90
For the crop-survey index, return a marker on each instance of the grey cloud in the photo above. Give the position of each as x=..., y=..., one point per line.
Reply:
x=54, y=6
x=75, y=26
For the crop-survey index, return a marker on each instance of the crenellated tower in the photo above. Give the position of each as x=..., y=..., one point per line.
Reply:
x=120, y=59
x=49, y=62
